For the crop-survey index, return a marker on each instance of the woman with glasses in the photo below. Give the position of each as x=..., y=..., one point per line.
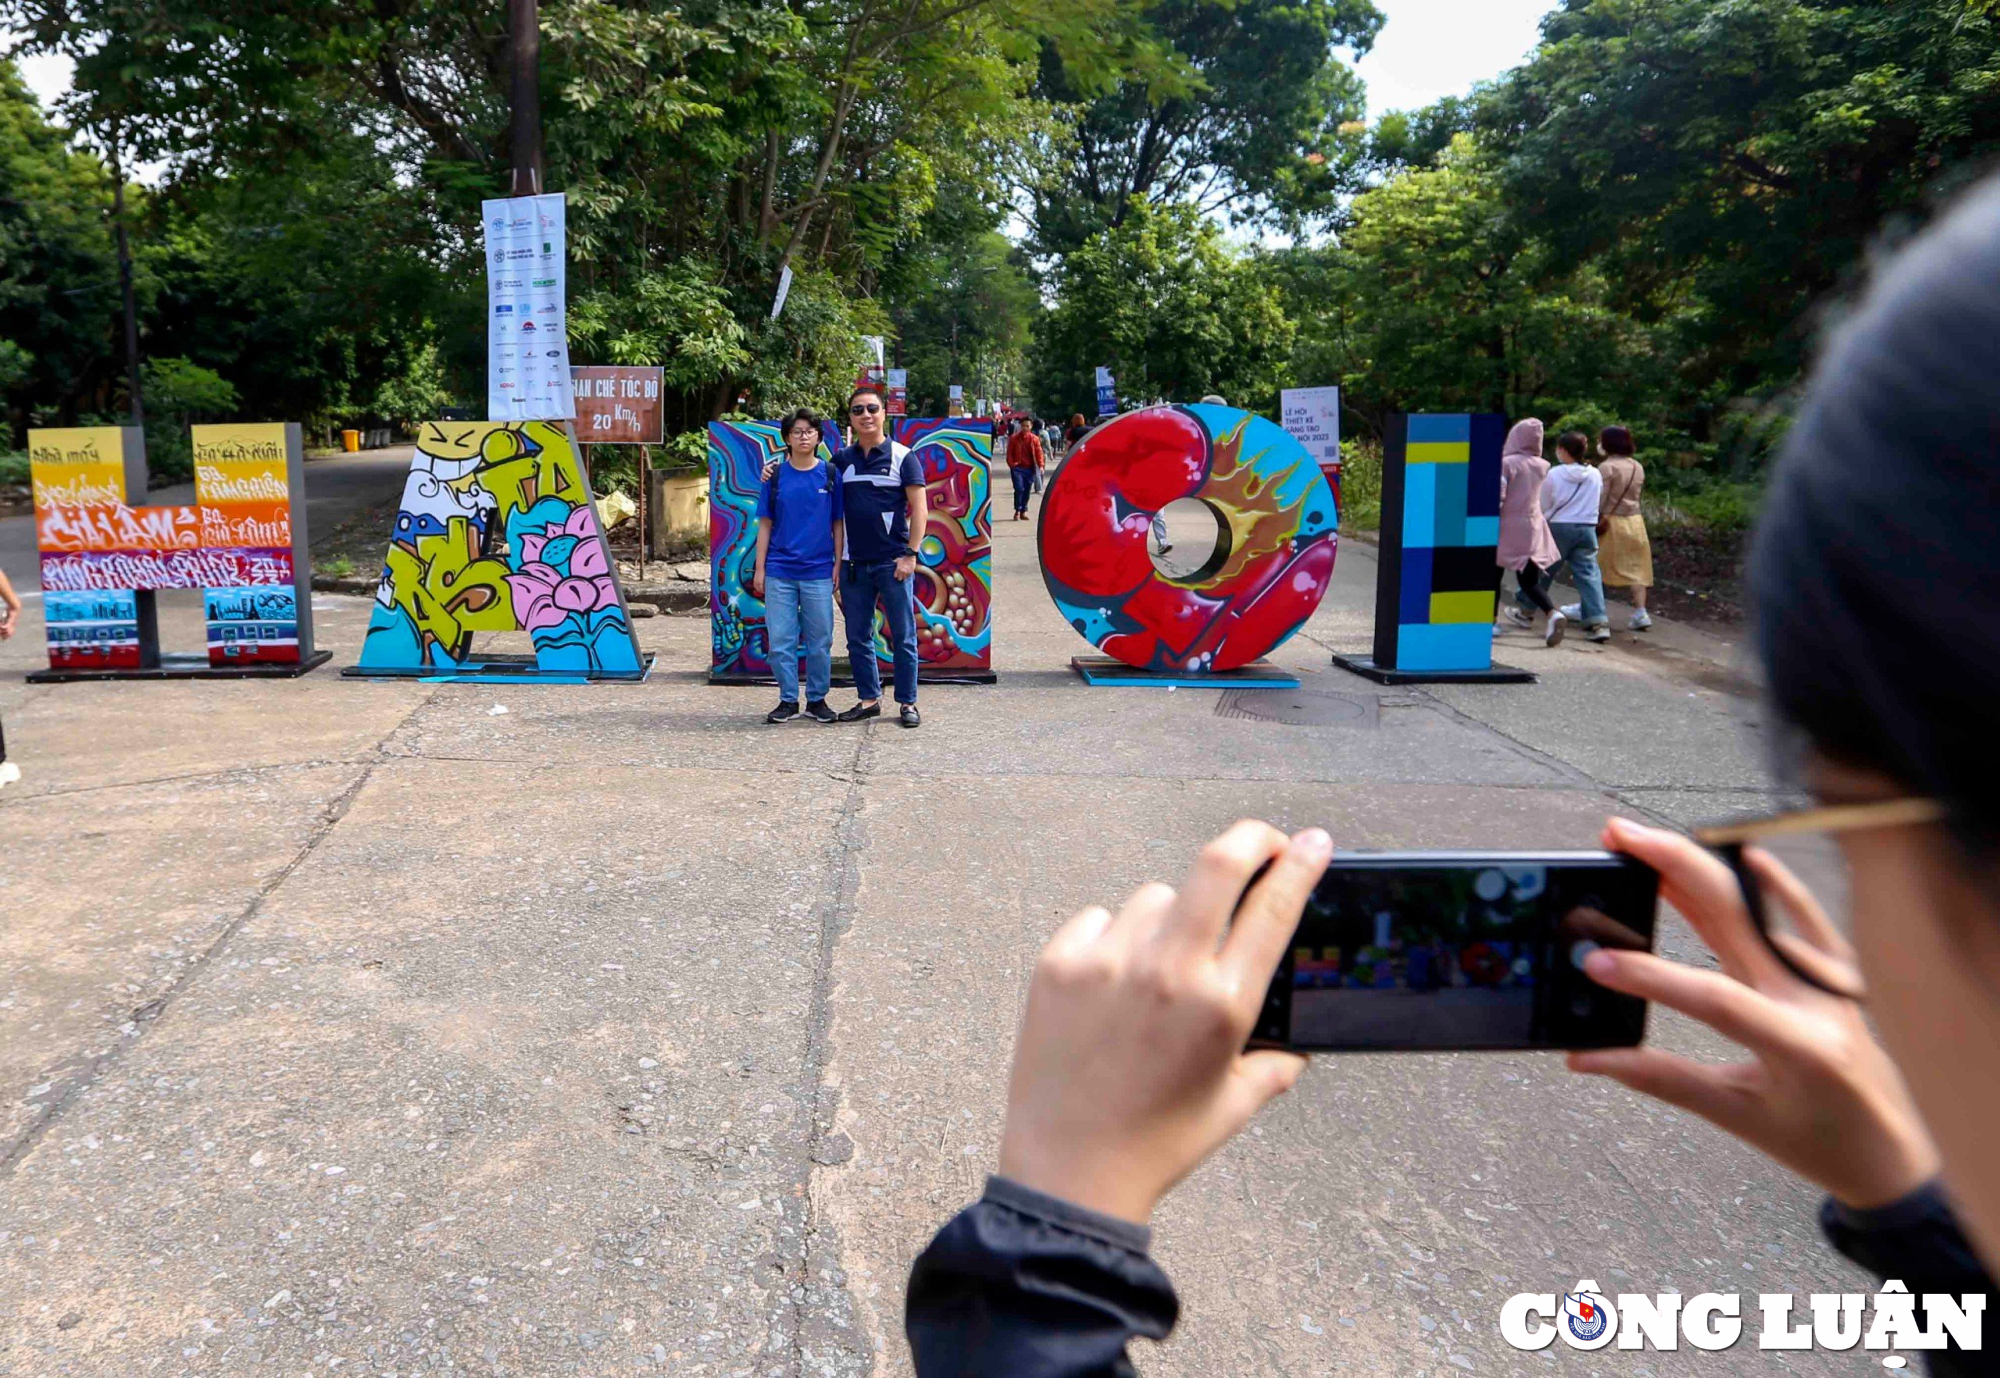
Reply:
x=1884, y=670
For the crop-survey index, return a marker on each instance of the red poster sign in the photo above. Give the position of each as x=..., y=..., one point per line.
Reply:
x=618, y=404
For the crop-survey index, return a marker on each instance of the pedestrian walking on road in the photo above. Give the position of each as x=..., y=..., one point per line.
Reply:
x=1526, y=545
x=1569, y=500
x=882, y=493
x=799, y=536
x=1078, y=429
x=1024, y=464
x=1626, y=559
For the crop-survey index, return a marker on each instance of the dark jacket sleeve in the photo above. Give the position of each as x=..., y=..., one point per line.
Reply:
x=1029, y=1286
x=1917, y=1241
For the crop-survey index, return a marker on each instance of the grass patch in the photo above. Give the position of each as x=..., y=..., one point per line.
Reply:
x=1690, y=498
x=13, y=466
x=1361, y=487
x=337, y=567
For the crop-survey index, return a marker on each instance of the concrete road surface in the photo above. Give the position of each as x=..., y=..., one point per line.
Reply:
x=353, y=1028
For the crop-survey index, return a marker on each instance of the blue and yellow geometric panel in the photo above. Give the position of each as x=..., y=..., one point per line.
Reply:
x=1436, y=593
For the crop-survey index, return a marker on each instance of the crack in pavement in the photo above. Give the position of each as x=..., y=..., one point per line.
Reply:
x=88, y=1070
x=824, y=1307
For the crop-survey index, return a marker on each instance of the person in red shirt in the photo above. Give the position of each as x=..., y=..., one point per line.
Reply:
x=1025, y=460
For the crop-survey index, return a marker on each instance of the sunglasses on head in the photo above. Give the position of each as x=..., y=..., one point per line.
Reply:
x=865, y=408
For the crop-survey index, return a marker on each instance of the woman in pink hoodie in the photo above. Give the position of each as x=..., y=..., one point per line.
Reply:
x=1527, y=546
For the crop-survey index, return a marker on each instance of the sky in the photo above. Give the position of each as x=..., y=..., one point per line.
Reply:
x=1427, y=49
x=1433, y=48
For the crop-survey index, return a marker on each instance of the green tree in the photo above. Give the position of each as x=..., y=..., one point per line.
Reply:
x=963, y=306
x=1236, y=107
x=1435, y=300
x=58, y=278
x=1727, y=165
x=1162, y=301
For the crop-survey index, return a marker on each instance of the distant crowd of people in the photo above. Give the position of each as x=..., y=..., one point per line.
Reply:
x=1576, y=515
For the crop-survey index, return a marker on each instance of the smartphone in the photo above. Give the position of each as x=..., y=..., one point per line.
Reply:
x=1452, y=951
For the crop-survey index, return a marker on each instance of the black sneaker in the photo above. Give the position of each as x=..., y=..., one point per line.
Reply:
x=820, y=711
x=784, y=712
x=908, y=715
x=860, y=712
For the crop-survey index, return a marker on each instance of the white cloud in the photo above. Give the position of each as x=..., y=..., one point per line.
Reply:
x=1434, y=48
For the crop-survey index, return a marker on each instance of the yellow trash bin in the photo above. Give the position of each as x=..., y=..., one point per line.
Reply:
x=350, y=441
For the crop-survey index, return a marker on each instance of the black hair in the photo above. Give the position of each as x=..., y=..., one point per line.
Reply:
x=804, y=414
x=1616, y=440
x=867, y=390
x=1872, y=578
x=1573, y=443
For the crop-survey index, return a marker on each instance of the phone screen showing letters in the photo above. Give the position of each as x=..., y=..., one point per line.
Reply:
x=1461, y=951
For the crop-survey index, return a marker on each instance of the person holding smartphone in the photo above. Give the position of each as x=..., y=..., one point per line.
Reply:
x=1883, y=675
x=883, y=494
x=800, y=524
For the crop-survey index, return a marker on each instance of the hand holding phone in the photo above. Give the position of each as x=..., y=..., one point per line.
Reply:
x=1457, y=951
x=1130, y=1067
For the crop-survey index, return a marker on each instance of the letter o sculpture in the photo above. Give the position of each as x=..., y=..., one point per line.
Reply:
x=1276, y=518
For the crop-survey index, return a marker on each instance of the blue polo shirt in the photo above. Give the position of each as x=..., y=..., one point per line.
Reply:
x=802, y=505
x=878, y=513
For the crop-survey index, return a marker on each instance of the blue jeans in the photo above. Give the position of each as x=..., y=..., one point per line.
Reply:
x=1024, y=485
x=1578, y=543
x=862, y=586
x=798, y=618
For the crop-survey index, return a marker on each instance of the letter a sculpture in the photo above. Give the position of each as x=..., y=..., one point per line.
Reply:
x=497, y=533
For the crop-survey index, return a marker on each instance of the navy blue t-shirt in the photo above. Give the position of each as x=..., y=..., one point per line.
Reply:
x=802, y=505
x=878, y=514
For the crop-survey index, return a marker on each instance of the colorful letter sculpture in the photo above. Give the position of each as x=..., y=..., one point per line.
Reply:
x=243, y=542
x=1437, y=582
x=740, y=649
x=497, y=533
x=1278, y=528
x=954, y=579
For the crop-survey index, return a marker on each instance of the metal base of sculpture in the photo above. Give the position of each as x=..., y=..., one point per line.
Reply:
x=187, y=665
x=1107, y=672
x=1366, y=667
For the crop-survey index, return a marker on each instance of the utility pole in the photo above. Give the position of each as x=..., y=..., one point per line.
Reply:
x=525, y=26
x=125, y=280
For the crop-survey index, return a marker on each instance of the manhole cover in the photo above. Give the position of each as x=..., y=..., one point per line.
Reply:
x=1297, y=708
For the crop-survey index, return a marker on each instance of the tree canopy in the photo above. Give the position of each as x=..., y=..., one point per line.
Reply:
x=1650, y=219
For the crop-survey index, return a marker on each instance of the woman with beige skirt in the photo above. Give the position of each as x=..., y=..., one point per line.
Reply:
x=1625, y=554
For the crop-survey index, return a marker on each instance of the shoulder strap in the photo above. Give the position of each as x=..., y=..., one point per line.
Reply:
x=1622, y=493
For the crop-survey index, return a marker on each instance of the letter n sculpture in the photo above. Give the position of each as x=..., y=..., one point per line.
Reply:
x=1436, y=583
x=497, y=533
x=953, y=585
x=242, y=542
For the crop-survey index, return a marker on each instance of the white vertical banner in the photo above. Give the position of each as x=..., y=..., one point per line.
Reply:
x=527, y=315
x=1312, y=416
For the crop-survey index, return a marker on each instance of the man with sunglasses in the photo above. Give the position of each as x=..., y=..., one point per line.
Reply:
x=882, y=491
